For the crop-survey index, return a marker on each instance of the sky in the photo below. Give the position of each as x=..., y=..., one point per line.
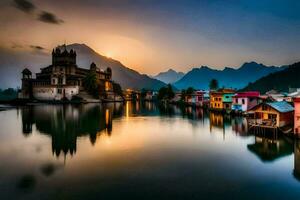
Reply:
x=151, y=36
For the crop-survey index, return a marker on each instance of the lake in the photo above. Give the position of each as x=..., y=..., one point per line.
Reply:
x=141, y=151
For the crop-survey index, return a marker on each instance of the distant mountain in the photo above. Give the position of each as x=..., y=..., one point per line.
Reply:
x=127, y=77
x=199, y=78
x=280, y=81
x=169, y=76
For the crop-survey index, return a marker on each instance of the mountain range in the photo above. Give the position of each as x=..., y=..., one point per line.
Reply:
x=169, y=76
x=12, y=63
x=280, y=81
x=126, y=77
x=199, y=78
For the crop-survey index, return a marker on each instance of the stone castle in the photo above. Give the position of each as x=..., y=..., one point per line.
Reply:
x=63, y=79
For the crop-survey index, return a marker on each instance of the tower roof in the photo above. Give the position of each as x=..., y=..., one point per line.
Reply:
x=26, y=71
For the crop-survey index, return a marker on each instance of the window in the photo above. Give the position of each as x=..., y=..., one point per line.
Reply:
x=243, y=101
x=59, y=91
x=53, y=81
x=272, y=116
x=60, y=81
x=264, y=107
x=236, y=100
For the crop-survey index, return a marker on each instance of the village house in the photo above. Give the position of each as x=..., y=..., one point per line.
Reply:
x=272, y=115
x=197, y=98
x=221, y=99
x=150, y=95
x=177, y=97
x=279, y=96
x=297, y=116
x=243, y=101
x=63, y=79
x=131, y=95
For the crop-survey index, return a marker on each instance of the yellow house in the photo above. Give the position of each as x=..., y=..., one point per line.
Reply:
x=221, y=99
x=215, y=98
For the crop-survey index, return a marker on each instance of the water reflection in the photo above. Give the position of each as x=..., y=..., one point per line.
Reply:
x=151, y=134
x=271, y=147
x=297, y=160
x=240, y=126
x=64, y=124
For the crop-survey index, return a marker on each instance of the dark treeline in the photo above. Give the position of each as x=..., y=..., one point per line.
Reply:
x=8, y=94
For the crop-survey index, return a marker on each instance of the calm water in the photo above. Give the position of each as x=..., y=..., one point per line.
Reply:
x=140, y=151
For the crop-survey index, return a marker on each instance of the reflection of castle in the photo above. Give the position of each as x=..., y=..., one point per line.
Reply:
x=63, y=78
x=65, y=123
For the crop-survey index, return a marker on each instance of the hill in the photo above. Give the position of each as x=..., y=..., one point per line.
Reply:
x=169, y=76
x=280, y=81
x=228, y=77
x=13, y=62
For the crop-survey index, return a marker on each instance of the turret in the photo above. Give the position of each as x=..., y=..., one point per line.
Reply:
x=26, y=74
x=63, y=57
x=93, y=67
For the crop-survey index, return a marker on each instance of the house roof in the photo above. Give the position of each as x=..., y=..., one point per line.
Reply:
x=281, y=106
x=247, y=94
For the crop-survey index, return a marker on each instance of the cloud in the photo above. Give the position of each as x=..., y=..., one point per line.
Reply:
x=48, y=17
x=16, y=46
x=39, y=48
x=24, y=5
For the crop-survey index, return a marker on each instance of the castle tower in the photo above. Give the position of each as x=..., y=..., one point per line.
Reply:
x=62, y=57
x=26, y=91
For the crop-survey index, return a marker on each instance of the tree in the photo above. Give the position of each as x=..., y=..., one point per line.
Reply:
x=190, y=91
x=90, y=83
x=117, y=89
x=166, y=93
x=214, y=84
x=143, y=93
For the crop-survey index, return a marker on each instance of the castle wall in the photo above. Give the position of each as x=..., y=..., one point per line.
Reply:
x=49, y=93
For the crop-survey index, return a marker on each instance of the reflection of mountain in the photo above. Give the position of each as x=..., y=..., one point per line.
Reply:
x=271, y=148
x=64, y=123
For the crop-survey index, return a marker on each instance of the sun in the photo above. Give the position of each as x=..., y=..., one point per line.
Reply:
x=109, y=54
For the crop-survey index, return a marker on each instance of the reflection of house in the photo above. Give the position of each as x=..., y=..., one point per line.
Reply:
x=221, y=99
x=270, y=149
x=274, y=114
x=63, y=78
x=131, y=95
x=297, y=116
x=196, y=98
x=240, y=126
x=243, y=101
x=216, y=119
x=297, y=160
